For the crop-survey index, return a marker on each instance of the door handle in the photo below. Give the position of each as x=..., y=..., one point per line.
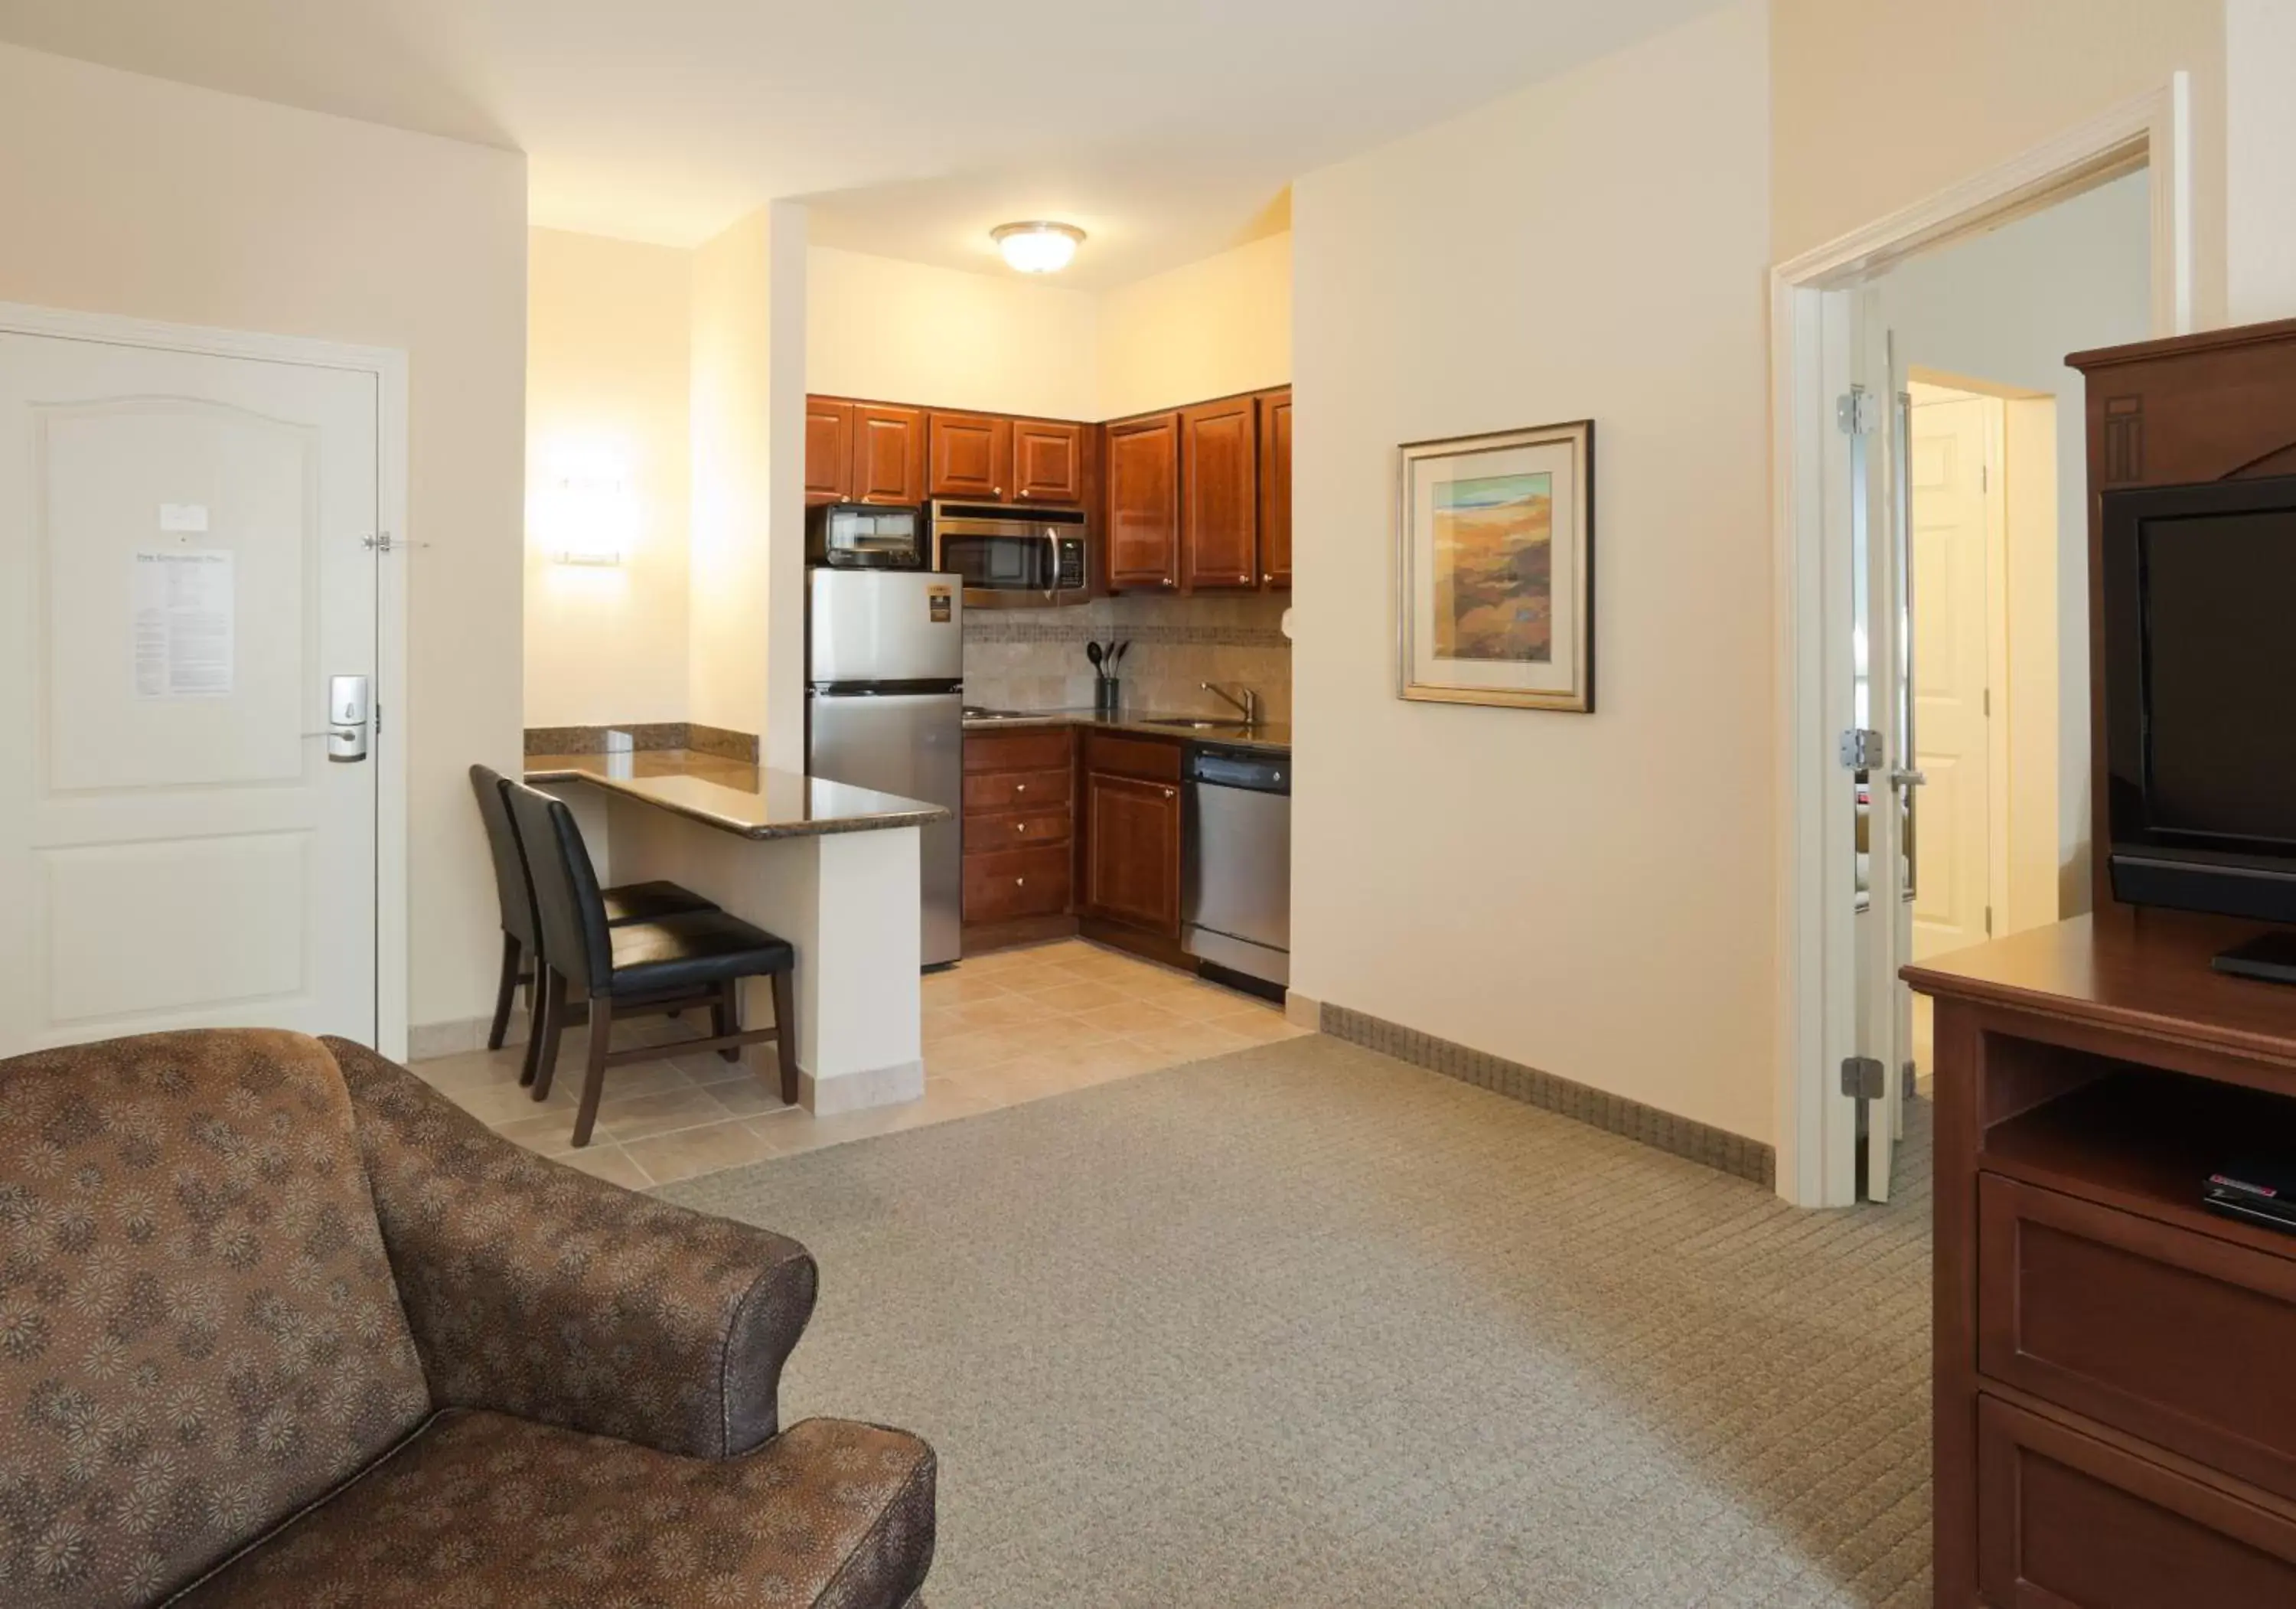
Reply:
x=347, y=719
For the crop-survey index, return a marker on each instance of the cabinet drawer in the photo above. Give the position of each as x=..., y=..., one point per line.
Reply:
x=2066, y=1522
x=2177, y=1337
x=1035, y=750
x=1016, y=882
x=1144, y=757
x=985, y=834
x=1015, y=790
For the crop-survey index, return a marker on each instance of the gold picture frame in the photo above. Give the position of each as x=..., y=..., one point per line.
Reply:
x=1495, y=569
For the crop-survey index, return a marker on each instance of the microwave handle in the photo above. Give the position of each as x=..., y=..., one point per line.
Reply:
x=1053, y=575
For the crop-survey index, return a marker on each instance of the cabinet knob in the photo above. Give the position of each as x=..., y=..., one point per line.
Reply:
x=1019, y=882
x=1167, y=793
x=1020, y=826
x=1020, y=787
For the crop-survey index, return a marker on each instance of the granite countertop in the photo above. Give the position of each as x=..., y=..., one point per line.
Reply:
x=1272, y=736
x=737, y=797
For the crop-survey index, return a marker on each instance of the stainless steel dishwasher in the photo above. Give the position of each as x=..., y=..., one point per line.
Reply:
x=1235, y=868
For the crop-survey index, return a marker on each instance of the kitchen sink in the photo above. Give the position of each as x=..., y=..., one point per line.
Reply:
x=1198, y=724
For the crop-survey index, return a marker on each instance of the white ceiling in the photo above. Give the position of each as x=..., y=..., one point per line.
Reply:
x=1167, y=131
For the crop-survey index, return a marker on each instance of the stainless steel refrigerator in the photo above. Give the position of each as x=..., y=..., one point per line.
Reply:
x=885, y=709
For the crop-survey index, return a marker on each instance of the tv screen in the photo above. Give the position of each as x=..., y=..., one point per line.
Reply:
x=2200, y=666
x=2220, y=675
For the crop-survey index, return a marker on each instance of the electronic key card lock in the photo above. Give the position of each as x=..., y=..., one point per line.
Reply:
x=347, y=719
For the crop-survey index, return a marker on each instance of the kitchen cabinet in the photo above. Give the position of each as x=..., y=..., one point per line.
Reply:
x=1276, y=489
x=1131, y=814
x=971, y=456
x=1219, y=478
x=1143, y=503
x=1018, y=824
x=1047, y=462
x=889, y=455
x=828, y=449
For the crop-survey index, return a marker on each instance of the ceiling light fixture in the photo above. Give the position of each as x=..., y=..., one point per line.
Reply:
x=1038, y=248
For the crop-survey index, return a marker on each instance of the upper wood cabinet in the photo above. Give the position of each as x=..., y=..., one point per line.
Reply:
x=889, y=454
x=1275, y=488
x=971, y=456
x=1143, y=502
x=1047, y=462
x=1219, y=512
x=828, y=449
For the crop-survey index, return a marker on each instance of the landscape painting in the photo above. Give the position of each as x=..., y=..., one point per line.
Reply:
x=1494, y=568
x=1495, y=549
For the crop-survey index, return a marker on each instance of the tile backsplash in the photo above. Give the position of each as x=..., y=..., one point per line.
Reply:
x=1033, y=659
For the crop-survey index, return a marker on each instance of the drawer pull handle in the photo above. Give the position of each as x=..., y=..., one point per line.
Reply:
x=1019, y=882
x=1020, y=826
x=1020, y=787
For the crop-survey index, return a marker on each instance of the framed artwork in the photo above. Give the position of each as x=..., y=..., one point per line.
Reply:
x=1496, y=540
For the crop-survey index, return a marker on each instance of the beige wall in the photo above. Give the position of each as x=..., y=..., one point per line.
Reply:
x=1207, y=329
x=1965, y=84
x=607, y=388
x=746, y=577
x=1592, y=895
x=2259, y=51
x=126, y=194
x=902, y=331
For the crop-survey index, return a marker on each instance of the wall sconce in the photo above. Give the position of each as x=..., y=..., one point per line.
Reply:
x=584, y=518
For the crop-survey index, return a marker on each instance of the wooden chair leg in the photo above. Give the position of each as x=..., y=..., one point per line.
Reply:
x=785, y=1034
x=543, y=1053
x=593, y=1077
x=535, y=999
x=504, y=992
x=725, y=1015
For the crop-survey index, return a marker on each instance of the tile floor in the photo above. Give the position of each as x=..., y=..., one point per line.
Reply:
x=998, y=1029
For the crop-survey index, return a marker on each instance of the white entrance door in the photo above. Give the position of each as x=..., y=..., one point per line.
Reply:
x=1954, y=510
x=184, y=566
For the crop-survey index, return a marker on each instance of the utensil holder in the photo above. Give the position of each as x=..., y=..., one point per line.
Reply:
x=1105, y=691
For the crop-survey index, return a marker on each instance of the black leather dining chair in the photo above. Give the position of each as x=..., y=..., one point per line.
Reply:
x=521, y=934
x=634, y=968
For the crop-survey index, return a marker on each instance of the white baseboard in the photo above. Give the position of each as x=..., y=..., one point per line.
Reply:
x=858, y=1091
x=1301, y=1012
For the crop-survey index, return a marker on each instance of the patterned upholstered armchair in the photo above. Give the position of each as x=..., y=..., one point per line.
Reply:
x=281, y=1326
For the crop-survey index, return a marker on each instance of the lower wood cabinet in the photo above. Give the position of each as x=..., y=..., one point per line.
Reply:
x=1019, y=824
x=1130, y=814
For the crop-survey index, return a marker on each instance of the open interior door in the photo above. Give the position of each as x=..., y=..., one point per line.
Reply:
x=1875, y=415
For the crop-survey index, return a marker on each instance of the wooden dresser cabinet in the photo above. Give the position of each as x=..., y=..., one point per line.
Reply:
x=2115, y=1365
x=2115, y=1425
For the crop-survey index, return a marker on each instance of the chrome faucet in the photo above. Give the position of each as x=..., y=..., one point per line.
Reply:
x=1249, y=703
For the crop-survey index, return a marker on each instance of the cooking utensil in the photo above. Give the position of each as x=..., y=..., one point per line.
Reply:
x=1092, y=652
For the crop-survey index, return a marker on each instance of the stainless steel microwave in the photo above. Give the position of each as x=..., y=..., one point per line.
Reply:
x=1012, y=558
x=864, y=536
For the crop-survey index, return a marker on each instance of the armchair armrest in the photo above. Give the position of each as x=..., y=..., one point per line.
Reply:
x=537, y=1290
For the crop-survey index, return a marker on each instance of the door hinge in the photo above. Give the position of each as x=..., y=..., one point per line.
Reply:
x=378, y=543
x=1864, y=1079
x=1985, y=477
x=1858, y=412
x=1861, y=748
x=1988, y=704
x=1989, y=922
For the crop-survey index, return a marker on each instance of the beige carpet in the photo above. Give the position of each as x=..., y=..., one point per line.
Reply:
x=1302, y=1326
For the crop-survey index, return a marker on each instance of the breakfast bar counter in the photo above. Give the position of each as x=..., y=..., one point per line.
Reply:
x=830, y=868
x=736, y=796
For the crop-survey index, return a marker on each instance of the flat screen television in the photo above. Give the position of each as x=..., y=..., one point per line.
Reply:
x=2199, y=696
